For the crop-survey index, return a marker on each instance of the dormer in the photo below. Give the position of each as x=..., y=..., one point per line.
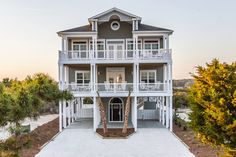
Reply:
x=114, y=16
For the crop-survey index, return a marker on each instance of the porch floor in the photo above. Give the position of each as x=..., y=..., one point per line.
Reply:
x=149, y=124
x=82, y=123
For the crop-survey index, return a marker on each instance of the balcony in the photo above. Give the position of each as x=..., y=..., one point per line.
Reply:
x=158, y=54
x=116, y=87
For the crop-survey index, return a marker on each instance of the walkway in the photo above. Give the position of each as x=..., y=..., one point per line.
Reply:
x=151, y=142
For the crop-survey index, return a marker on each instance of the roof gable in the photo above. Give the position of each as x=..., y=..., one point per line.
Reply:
x=106, y=15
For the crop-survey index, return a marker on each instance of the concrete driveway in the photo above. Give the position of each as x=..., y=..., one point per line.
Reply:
x=151, y=142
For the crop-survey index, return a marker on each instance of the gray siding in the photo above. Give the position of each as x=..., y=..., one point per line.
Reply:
x=105, y=31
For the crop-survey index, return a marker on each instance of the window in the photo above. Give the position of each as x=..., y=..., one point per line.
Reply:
x=115, y=25
x=82, y=77
x=151, y=45
x=80, y=49
x=148, y=76
x=79, y=46
x=130, y=47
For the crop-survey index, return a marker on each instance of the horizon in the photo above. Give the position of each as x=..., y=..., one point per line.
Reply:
x=29, y=43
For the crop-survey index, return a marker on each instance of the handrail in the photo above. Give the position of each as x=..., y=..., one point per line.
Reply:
x=143, y=54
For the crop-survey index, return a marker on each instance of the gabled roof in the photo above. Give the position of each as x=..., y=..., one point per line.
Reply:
x=143, y=27
x=85, y=28
x=112, y=10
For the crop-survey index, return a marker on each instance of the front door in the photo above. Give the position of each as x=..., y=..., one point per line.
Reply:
x=116, y=110
x=115, y=51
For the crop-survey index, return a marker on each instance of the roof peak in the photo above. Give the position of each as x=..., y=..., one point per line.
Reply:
x=95, y=17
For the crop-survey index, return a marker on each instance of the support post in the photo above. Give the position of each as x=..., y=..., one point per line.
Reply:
x=167, y=112
x=94, y=114
x=73, y=111
x=135, y=114
x=171, y=114
x=64, y=114
x=163, y=111
x=160, y=108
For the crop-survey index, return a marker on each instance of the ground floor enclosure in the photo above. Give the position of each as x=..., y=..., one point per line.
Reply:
x=142, y=109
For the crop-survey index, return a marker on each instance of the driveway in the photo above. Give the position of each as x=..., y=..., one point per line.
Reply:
x=151, y=142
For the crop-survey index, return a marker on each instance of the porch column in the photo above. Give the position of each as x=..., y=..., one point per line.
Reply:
x=94, y=114
x=73, y=111
x=69, y=113
x=77, y=109
x=160, y=108
x=134, y=77
x=135, y=114
x=171, y=114
x=91, y=76
x=60, y=102
x=137, y=78
x=163, y=111
x=167, y=112
x=64, y=114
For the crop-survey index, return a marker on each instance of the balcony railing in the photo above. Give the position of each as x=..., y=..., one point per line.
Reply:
x=158, y=54
x=116, y=87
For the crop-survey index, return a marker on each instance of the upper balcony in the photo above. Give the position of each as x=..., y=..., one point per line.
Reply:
x=157, y=55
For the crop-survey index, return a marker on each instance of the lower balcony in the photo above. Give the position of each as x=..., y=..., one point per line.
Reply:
x=116, y=87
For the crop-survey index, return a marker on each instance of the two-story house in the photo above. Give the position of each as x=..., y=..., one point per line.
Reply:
x=114, y=53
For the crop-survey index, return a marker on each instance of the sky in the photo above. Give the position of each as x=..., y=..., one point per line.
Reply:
x=203, y=30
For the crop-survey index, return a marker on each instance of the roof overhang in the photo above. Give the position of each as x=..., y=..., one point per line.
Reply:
x=76, y=34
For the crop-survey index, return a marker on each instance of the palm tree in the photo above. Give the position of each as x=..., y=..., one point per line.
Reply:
x=102, y=113
x=127, y=110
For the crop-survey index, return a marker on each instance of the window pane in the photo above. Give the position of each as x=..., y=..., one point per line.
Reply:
x=79, y=81
x=79, y=76
x=147, y=46
x=154, y=46
x=82, y=47
x=75, y=47
x=86, y=76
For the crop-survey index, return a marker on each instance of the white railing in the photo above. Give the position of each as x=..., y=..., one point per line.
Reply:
x=116, y=87
x=73, y=87
x=152, y=87
x=116, y=54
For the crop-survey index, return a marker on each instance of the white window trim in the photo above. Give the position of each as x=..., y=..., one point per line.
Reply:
x=151, y=39
x=109, y=105
x=130, y=39
x=72, y=43
x=81, y=71
x=147, y=71
x=115, y=29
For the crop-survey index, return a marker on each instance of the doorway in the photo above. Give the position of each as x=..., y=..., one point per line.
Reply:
x=115, y=108
x=115, y=51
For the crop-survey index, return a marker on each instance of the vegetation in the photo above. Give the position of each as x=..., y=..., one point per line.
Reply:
x=127, y=110
x=25, y=99
x=180, y=98
x=213, y=102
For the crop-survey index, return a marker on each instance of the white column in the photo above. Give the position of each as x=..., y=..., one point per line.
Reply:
x=160, y=108
x=135, y=113
x=163, y=111
x=164, y=41
x=64, y=114
x=60, y=101
x=133, y=25
x=171, y=114
x=137, y=78
x=69, y=113
x=167, y=112
x=167, y=42
x=134, y=77
x=77, y=109
x=73, y=111
x=94, y=114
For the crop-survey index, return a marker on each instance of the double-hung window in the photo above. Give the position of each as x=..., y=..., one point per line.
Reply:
x=130, y=47
x=148, y=76
x=82, y=77
x=152, y=46
x=80, y=49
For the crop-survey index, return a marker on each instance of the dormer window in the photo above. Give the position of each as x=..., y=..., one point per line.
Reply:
x=115, y=25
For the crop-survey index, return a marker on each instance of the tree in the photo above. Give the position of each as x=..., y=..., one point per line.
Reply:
x=102, y=113
x=213, y=102
x=127, y=110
